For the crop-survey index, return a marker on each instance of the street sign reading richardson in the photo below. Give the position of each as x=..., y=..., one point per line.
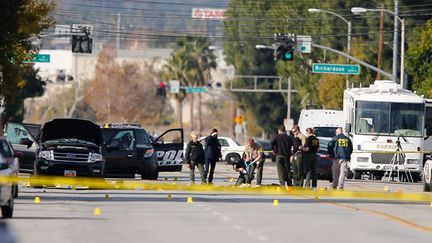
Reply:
x=336, y=68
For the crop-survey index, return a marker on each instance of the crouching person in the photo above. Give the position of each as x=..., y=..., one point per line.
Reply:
x=254, y=158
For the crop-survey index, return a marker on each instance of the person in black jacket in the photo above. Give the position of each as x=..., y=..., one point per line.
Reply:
x=310, y=149
x=194, y=156
x=296, y=160
x=212, y=154
x=281, y=145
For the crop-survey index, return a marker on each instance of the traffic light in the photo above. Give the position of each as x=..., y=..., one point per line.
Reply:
x=161, y=89
x=285, y=46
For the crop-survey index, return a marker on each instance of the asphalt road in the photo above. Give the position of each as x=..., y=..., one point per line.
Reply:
x=65, y=215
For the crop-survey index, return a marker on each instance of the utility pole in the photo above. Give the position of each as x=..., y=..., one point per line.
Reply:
x=289, y=99
x=118, y=32
x=395, y=40
x=380, y=40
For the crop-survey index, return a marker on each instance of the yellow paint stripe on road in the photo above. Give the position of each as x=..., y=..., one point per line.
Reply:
x=385, y=215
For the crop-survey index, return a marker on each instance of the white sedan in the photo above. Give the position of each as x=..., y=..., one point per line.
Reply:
x=231, y=150
x=6, y=189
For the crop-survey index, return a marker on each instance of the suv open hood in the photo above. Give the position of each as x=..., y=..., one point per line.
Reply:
x=71, y=128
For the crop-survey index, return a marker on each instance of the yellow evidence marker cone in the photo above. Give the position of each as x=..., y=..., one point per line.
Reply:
x=106, y=196
x=169, y=196
x=97, y=211
x=316, y=198
x=232, y=179
x=189, y=200
x=37, y=200
x=275, y=202
x=386, y=188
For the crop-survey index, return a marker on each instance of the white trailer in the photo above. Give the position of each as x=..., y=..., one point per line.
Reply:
x=376, y=118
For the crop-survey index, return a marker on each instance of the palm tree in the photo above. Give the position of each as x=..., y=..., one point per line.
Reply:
x=174, y=70
x=205, y=61
x=190, y=63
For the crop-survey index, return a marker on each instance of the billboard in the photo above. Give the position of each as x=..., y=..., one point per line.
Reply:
x=208, y=13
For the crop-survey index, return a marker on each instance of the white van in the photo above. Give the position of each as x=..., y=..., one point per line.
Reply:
x=323, y=121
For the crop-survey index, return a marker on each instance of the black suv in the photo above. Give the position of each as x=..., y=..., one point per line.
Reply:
x=129, y=150
x=69, y=147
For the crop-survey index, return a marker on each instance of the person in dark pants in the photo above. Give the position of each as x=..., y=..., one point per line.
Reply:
x=282, y=144
x=310, y=150
x=255, y=159
x=296, y=161
x=194, y=156
x=340, y=149
x=212, y=154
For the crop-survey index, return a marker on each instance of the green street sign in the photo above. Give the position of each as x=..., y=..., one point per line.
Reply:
x=336, y=68
x=195, y=90
x=41, y=58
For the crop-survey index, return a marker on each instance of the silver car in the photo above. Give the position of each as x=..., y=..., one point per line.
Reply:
x=6, y=188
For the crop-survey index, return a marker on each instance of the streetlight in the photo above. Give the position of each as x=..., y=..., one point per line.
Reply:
x=348, y=22
x=357, y=10
x=317, y=10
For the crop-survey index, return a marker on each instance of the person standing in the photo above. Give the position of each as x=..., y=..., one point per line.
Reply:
x=297, y=133
x=194, y=156
x=340, y=147
x=254, y=156
x=296, y=161
x=310, y=150
x=282, y=144
x=212, y=154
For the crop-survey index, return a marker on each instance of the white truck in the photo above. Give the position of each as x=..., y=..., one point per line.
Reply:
x=379, y=117
x=323, y=121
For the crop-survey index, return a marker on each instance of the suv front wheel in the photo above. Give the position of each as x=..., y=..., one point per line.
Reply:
x=151, y=174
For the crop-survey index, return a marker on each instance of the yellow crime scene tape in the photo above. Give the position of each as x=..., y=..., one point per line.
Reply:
x=100, y=183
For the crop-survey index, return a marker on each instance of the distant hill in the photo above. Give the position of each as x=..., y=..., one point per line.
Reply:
x=154, y=23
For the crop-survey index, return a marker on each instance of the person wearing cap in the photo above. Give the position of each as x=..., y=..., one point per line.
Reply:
x=212, y=153
x=254, y=157
x=282, y=145
x=194, y=157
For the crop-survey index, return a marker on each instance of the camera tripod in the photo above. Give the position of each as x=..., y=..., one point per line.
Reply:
x=397, y=163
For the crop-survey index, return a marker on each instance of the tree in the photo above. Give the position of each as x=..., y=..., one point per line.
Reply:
x=20, y=23
x=124, y=92
x=33, y=86
x=419, y=59
x=249, y=23
x=190, y=63
x=203, y=60
x=174, y=70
